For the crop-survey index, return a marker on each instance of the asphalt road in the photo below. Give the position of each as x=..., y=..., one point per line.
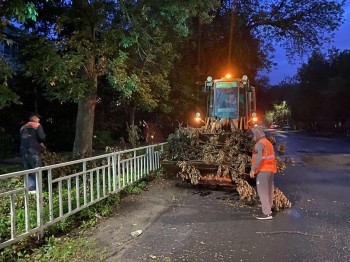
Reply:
x=212, y=225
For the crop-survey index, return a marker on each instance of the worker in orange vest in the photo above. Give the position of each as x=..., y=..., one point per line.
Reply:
x=264, y=167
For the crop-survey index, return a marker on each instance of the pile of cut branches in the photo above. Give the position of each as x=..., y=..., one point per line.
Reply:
x=231, y=157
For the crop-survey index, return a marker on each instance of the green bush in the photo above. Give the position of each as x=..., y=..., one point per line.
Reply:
x=9, y=169
x=103, y=138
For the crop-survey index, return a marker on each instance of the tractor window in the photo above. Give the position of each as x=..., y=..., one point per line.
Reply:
x=226, y=100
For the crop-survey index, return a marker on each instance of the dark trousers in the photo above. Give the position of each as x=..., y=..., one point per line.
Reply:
x=30, y=161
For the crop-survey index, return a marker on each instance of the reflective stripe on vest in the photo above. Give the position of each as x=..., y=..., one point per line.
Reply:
x=268, y=162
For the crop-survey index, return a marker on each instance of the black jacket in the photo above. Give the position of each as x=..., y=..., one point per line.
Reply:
x=32, y=135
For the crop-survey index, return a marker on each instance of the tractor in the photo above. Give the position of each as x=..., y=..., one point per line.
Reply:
x=210, y=153
x=231, y=105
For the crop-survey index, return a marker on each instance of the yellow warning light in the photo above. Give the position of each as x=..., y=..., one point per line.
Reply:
x=228, y=75
x=198, y=117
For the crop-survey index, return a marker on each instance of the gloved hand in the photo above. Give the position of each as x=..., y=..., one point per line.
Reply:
x=43, y=147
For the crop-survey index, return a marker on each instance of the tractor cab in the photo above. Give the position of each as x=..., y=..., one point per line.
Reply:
x=231, y=104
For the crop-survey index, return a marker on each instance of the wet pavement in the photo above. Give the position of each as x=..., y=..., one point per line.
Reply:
x=212, y=225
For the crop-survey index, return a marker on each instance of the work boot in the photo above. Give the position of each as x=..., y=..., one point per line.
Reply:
x=264, y=217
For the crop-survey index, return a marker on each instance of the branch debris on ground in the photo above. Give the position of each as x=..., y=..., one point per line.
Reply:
x=221, y=157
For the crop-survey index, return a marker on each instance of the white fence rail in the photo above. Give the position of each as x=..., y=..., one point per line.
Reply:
x=84, y=182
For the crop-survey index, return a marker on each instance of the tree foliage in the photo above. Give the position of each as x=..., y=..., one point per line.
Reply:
x=324, y=88
x=243, y=33
x=7, y=96
x=154, y=55
x=319, y=96
x=20, y=11
x=130, y=43
x=280, y=115
x=298, y=25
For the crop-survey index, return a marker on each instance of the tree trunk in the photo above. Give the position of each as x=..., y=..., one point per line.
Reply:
x=84, y=127
x=132, y=111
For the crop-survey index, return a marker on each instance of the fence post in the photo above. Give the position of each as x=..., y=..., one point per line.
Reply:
x=148, y=161
x=109, y=175
x=13, y=216
x=151, y=159
x=114, y=172
x=119, y=171
x=40, y=202
x=134, y=170
x=26, y=203
x=50, y=194
x=84, y=183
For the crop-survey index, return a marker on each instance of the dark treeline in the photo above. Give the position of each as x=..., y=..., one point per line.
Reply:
x=93, y=68
x=318, y=95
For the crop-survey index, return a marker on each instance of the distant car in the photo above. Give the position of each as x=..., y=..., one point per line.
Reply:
x=273, y=126
x=286, y=128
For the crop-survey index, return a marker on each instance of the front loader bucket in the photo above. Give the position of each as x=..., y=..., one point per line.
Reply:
x=208, y=173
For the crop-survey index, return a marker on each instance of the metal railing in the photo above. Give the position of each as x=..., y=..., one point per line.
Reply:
x=84, y=182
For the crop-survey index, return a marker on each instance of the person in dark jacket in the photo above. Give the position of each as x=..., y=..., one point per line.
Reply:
x=32, y=137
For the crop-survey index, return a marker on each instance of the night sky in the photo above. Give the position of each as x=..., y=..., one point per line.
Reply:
x=285, y=69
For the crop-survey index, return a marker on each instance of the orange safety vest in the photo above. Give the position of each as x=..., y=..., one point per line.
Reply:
x=31, y=124
x=268, y=162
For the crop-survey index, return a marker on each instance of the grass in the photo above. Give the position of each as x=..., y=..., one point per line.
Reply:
x=68, y=249
x=61, y=249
